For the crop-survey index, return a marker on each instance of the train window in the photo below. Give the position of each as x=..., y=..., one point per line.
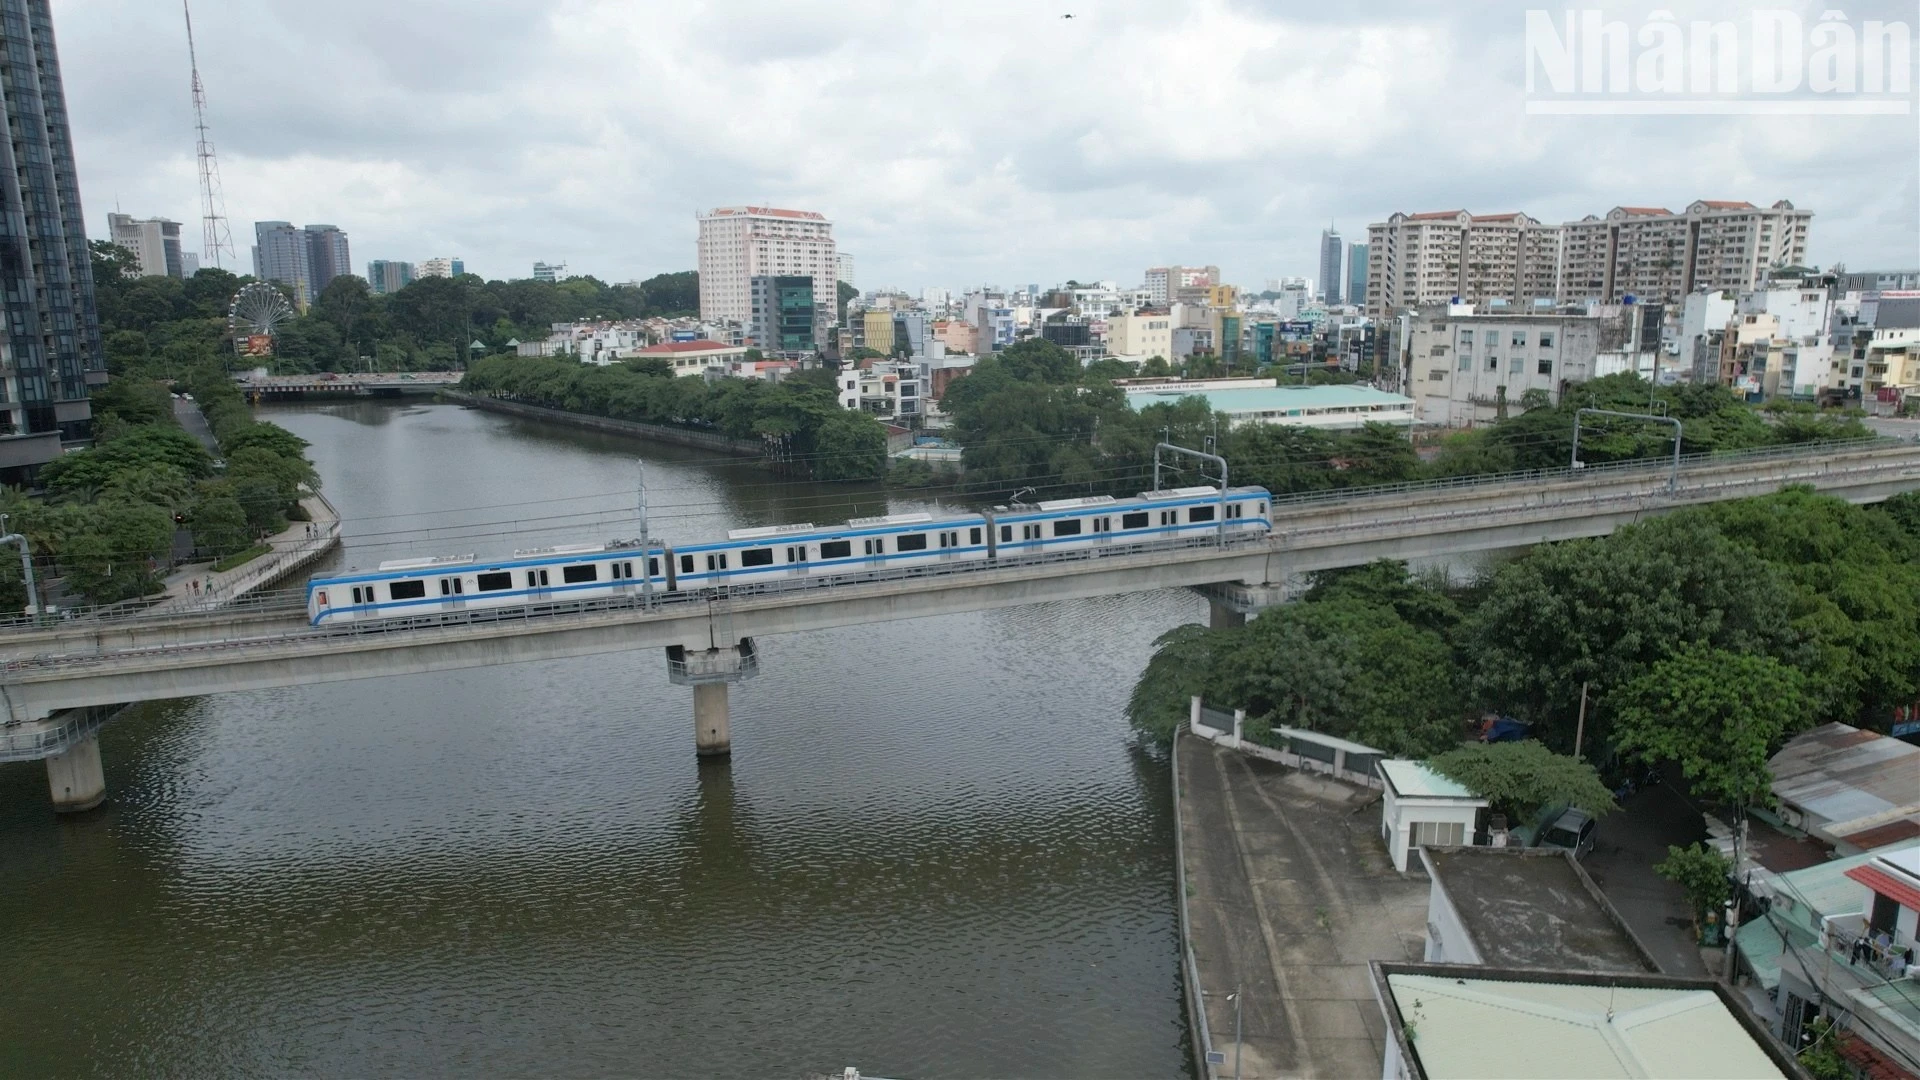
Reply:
x=458, y=587
x=1067, y=528
x=1031, y=532
x=446, y=586
x=686, y=564
x=973, y=535
x=1263, y=508
x=573, y=575
x=757, y=557
x=321, y=599
x=836, y=549
x=356, y=594
x=1006, y=533
x=536, y=578
x=653, y=567
x=494, y=582
x=1133, y=521
x=1200, y=513
x=912, y=542
x=613, y=571
x=407, y=590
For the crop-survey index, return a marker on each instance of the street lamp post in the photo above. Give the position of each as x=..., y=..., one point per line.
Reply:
x=1235, y=998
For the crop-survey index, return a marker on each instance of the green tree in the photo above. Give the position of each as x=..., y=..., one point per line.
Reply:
x=1703, y=874
x=1519, y=778
x=850, y=446
x=220, y=524
x=1603, y=611
x=1182, y=667
x=109, y=551
x=1347, y=668
x=1719, y=713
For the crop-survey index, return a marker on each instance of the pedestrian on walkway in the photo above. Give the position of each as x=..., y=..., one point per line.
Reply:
x=194, y=586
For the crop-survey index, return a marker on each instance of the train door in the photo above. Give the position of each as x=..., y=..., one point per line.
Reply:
x=453, y=593
x=717, y=569
x=875, y=549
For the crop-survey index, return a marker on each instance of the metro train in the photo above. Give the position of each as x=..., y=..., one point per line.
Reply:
x=452, y=587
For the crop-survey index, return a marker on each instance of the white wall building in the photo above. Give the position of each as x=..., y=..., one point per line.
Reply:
x=1420, y=807
x=155, y=243
x=440, y=266
x=738, y=243
x=1464, y=365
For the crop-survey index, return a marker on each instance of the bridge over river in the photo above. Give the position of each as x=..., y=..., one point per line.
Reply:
x=57, y=678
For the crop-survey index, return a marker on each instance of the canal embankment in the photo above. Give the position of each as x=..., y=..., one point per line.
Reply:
x=1287, y=894
x=701, y=440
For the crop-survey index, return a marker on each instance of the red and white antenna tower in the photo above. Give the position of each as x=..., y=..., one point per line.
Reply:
x=215, y=238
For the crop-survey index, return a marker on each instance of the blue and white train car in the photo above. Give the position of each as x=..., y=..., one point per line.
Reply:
x=459, y=587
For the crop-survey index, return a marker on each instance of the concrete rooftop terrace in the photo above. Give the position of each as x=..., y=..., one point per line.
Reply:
x=1534, y=908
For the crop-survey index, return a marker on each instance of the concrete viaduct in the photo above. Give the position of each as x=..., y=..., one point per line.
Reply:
x=58, y=680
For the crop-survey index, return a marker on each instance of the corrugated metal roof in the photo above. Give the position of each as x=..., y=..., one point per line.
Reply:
x=1485, y=1028
x=1838, y=774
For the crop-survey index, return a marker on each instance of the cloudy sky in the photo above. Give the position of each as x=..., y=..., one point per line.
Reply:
x=951, y=143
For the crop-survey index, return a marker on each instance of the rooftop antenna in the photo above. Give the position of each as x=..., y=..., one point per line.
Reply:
x=215, y=239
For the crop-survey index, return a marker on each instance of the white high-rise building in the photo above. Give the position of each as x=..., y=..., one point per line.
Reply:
x=843, y=263
x=155, y=244
x=739, y=243
x=440, y=266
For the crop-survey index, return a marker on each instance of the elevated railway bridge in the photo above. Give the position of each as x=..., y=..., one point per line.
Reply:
x=58, y=680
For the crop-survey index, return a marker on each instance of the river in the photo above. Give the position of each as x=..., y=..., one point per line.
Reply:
x=935, y=851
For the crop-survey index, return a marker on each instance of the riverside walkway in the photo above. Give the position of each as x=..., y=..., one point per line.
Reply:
x=1290, y=894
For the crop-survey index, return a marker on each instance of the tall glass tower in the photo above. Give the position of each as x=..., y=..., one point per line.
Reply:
x=51, y=337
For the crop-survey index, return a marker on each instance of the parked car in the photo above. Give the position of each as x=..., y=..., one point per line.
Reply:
x=1559, y=826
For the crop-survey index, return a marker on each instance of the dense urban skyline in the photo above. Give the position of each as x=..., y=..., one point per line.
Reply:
x=517, y=143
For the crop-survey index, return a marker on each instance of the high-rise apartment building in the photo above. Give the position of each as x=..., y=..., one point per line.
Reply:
x=281, y=253
x=549, y=272
x=1649, y=253
x=1486, y=259
x=386, y=276
x=327, y=256
x=50, y=343
x=843, y=266
x=1356, y=273
x=739, y=243
x=441, y=266
x=154, y=242
x=1658, y=256
x=1333, y=248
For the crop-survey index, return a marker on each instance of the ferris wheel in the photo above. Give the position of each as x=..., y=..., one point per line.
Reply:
x=258, y=309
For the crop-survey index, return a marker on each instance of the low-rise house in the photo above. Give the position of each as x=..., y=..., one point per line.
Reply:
x=696, y=357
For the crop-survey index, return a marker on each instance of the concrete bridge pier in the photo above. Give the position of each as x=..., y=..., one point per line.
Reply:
x=1231, y=603
x=710, y=671
x=1223, y=616
x=75, y=777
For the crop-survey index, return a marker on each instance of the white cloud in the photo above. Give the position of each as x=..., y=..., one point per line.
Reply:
x=990, y=141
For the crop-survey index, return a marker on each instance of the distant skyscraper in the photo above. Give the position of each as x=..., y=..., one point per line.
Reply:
x=155, y=243
x=387, y=276
x=843, y=264
x=281, y=253
x=441, y=266
x=1332, y=250
x=46, y=277
x=739, y=243
x=783, y=313
x=549, y=272
x=1356, y=273
x=327, y=256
